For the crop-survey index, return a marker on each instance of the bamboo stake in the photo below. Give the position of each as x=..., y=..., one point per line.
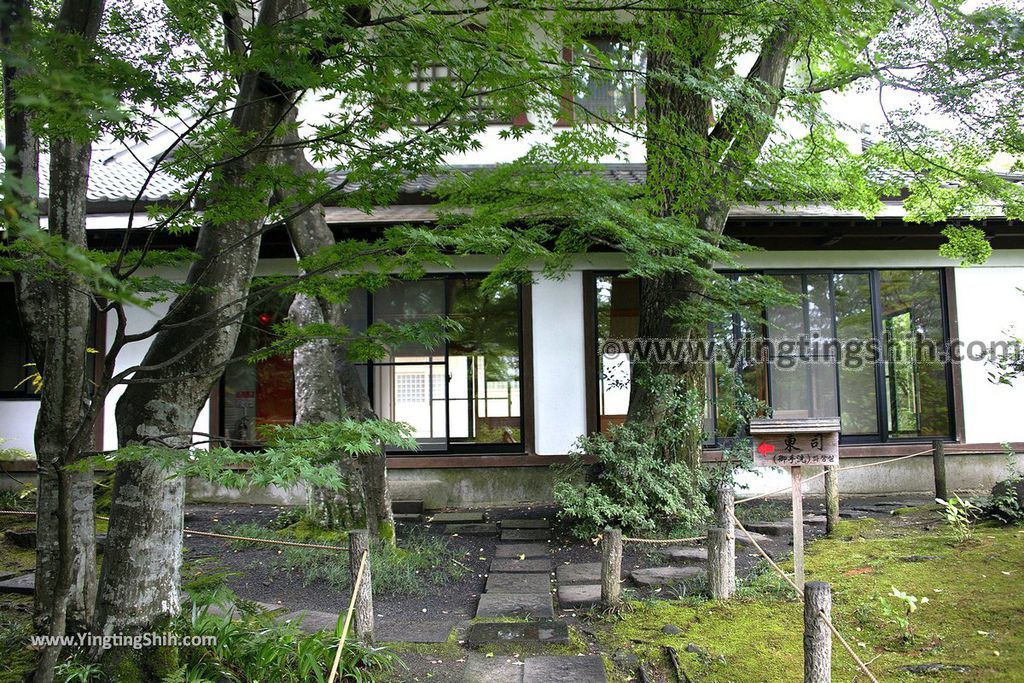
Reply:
x=348, y=618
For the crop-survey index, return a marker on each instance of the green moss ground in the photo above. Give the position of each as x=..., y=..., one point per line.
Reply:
x=974, y=615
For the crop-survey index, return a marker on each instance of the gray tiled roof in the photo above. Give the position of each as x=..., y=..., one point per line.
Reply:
x=115, y=181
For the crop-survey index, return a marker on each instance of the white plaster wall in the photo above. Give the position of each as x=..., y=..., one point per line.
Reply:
x=989, y=304
x=17, y=423
x=559, y=377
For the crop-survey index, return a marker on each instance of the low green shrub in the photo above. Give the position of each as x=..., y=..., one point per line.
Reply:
x=629, y=485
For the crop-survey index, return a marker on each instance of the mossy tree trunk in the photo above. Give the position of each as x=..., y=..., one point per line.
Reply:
x=695, y=165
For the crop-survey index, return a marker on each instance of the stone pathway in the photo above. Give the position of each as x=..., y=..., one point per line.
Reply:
x=519, y=585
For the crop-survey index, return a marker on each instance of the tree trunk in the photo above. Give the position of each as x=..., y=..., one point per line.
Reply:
x=318, y=400
x=141, y=569
x=65, y=333
x=310, y=233
x=694, y=167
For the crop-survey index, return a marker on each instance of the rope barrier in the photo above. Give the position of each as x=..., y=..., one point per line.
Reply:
x=227, y=537
x=841, y=469
x=663, y=541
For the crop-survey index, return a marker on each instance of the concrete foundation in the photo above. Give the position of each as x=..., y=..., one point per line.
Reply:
x=501, y=486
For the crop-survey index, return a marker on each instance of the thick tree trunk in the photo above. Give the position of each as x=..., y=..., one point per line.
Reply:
x=139, y=585
x=317, y=401
x=310, y=233
x=695, y=166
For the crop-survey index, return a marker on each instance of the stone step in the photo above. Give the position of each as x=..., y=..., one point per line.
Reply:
x=483, y=669
x=408, y=517
x=493, y=605
x=663, y=576
x=311, y=621
x=544, y=631
x=682, y=553
x=455, y=517
x=742, y=539
x=21, y=585
x=579, y=596
x=579, y=573
x=525, y=534
x=780, y=528
x=525, y=524
x=528, y=565
x=587, y=669
x=475, y=529
x=526, y=550
x=511, y=582
x=407, y=507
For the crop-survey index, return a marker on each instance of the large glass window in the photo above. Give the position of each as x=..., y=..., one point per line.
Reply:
x=862, y=345
x=462, y=395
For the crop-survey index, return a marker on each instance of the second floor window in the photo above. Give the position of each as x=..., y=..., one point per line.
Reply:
x=613, y=78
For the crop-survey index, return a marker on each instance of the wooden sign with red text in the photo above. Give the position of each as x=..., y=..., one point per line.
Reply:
x=795, y=442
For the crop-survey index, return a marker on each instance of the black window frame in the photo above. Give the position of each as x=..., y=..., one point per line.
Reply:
x=465, y=448
x=882, y=435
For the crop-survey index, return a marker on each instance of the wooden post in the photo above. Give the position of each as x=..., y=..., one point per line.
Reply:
x=721, y=563
x=831, y=498
x=939, y=465
x=817, y=636
x=611, y=566
x=358, y=543
x=798, y=526
x=722, y=546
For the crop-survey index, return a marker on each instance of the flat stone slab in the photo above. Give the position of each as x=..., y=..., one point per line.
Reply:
x=527, y=550
x=574, y=597
x=514, y=564
x=311, y=621
x=575, y=574
x=525, y=524
x=511, y=605
x=482, y=669
x=780, y=528
x=430, y=632
x=512, y=582
x=663, y=576
x=683, y=553
x=455, y=517
x=408, y=517
x=741, y=538
x=587, y=669
x=22, y=585
x=525, y=534
x=477, y=529
x=545, y=631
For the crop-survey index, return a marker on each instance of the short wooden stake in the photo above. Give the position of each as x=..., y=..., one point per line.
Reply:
x=358, y=543
x=721, y=563
x=817, y=635
x=611, y=567
x=798, y=526
x=831, y=498
x=939, y=465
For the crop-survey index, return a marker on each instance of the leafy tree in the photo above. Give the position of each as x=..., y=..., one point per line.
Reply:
x=733, y=107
